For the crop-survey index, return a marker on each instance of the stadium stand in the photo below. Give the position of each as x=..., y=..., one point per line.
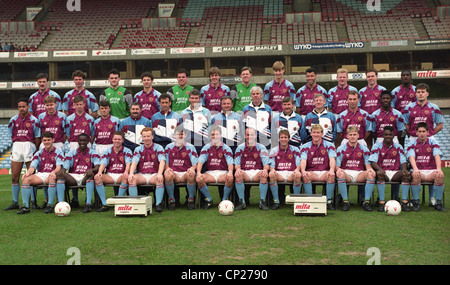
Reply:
x=87, y=30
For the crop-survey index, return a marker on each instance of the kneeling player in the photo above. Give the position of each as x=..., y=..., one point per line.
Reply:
x=389, y=161
x=83, y=164
x=318, y=163
x=352, y=165
x=219, y=166
x=284, y=166
x=148, y=161
x=425, y=157
x=116, y=160
x=181, y=161
x=252, y=165
x=47, y=161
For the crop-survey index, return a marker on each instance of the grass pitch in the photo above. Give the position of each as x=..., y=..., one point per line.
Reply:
x=204, y=237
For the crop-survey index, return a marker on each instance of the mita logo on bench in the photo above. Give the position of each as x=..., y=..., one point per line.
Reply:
x=303, y=206
x=125, y=208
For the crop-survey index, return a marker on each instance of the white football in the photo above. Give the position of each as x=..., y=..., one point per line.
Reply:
x=226, y=207
x=392, y=208
x=62, y=209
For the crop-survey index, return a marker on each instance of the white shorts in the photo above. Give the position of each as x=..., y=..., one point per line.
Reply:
x=252, y=173
x=320, y=173
x=101, y=148
x=285, y=174
x=43, y=176
x=353, y=174
x=114, y=176
x=217, y=173
x=23, y=151
x=425, y=172
x=147, y=176
x=78, y=178
x=179, y=173
x=361, y=141
x=390, y=174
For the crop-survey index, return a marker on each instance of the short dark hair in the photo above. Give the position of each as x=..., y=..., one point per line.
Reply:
x=423, y=86
x=104, y=103
x=388, y=128
x=114, y=71
x=422, y=125
x=23, y=99
x=311, y=70
x=385, y=92
x=42, y=75
x=47, y=135
x=147, y=74
x=165, y=96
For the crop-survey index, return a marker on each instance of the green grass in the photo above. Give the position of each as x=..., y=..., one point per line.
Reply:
x=204, y=237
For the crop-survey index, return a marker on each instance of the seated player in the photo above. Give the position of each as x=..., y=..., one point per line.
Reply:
x=47, y=162
x=181, y=161
x=284, y=166
x=147, y=167
x=352, y=165
x=424, y=154
x=389, y=161
x=116, y=161
x=218, y=158
x=82, y=163
x=318, y=162
x=252, y=165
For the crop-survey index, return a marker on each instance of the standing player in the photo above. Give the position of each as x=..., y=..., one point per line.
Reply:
x=252, y=165
x=36, y=101
x=82, y=164
x=149, y=162
x=389, y=161
x=337, y=96
x=119, y=97
x=305, y=95
x=180, y=93
x=284, y=166
x=212, y=92
x=352, y=165
x=116, y=161
x=290, y=121
x=78, y=77
x=47, y=162
x=230, y=123
x=405, y=93
x=148, y=97
x=218, y=159
x=78, y=123
x=104, y=128
x=353, y=116
x=240, y=93
x=258, y=116
x=25, y=134
x=180, y=166
x=278, y=89
x=165, y=121
x=386, y=116
x=422, y=111
x=424, y=154
x=371, y=94
x=318, y=163
x=196, y=120
x=133, y=125
x=53, y=121
x=321, y=116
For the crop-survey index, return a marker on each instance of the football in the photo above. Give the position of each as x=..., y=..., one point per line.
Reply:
x=62, y=209
x=226, y=207
x=392, y=208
